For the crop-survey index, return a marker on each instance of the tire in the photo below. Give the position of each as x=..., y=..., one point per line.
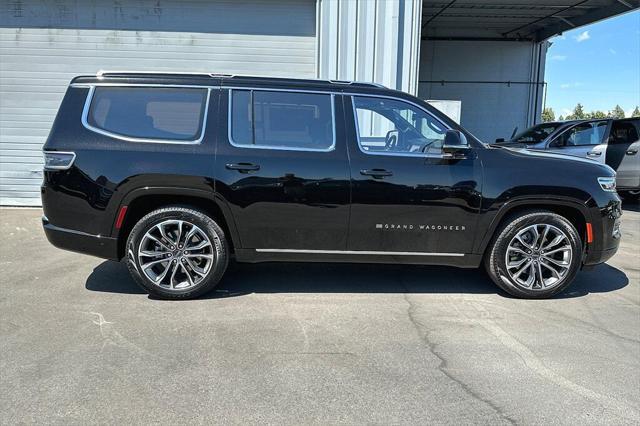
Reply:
x=630, y=196
x=157, y=243
x=517, y=235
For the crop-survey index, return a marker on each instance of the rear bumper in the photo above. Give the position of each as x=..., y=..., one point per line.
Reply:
x=80, y=242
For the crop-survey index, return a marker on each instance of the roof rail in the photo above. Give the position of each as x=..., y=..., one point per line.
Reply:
x=366, y=83
x=104, y=73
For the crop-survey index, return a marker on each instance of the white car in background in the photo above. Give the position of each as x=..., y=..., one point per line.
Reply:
x=615, y=142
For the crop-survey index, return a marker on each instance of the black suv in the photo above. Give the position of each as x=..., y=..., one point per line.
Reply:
x=179, y=173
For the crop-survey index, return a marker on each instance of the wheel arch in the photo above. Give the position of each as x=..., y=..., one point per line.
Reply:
x=140, y=202
x=575, y=212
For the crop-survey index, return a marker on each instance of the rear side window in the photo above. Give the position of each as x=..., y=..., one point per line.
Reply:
x=282, y=120
x=623, y=133
x=153, y=113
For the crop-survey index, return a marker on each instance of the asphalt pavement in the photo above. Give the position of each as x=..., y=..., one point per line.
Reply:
x=312, y=343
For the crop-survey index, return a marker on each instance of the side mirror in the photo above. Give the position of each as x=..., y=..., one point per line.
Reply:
x=454, y=142
x=499, y=140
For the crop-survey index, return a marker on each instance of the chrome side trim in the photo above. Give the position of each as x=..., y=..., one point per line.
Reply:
x=275, y=147
x=391, y=154
x=365, y=252
x=85, y=122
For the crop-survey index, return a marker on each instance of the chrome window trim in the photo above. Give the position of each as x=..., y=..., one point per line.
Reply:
x=329, y=91
x=87, y=106
x=73, y=159
x=275, y=147
x=391, y=154
x=356, y=252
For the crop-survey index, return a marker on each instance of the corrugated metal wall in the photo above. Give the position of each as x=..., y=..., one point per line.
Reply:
x=370, y=40
x=500, y=83
x=43, y=44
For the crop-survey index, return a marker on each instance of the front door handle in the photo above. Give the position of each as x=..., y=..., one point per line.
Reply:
x=376, y=173
x=594, y=153
x=243, y=167
x=632, y=152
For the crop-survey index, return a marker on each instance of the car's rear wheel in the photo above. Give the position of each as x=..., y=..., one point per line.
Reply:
x=177, y=253
x=534, y=255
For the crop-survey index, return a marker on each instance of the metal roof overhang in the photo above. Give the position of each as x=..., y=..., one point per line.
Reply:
x=514, y=19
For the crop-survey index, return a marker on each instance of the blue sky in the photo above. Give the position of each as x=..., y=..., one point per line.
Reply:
x=597, y=65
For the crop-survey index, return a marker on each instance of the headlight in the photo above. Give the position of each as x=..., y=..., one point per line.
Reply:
x=607, y=183
x=54, y=160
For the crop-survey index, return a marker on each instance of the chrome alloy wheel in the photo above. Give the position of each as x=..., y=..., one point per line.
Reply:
x=176, y=254
x=539, y=257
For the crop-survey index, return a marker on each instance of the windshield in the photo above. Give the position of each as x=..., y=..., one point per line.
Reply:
x=536, y=134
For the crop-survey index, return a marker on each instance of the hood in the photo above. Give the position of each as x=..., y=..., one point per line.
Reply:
x=521, y=149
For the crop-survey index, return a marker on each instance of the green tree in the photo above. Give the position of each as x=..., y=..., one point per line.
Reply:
x=636, y=112
x=616, y=112
x=561, y=118
x=548, y=115
x=578, y=113
x=597, y=114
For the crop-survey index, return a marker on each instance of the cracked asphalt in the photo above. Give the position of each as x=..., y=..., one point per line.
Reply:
x=312, y=343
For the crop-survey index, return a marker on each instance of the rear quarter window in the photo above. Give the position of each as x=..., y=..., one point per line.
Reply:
x=148, y=113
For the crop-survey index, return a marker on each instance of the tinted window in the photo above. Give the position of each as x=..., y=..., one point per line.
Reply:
x=536, y=134
x=589, y=133
x=392, y=126
x=282, y=120
x=149, y=112
x=623, y=133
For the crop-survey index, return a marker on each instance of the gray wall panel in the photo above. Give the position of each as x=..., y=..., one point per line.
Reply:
x=470, y=70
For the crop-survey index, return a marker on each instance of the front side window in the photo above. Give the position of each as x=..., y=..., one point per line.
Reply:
x=150, y=113
x=389, y=126
x=282, y=120
x=589, y=133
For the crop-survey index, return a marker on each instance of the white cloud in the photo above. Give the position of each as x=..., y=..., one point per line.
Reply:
x=582, y=36
x=566, y=111
x=612, y=51
x=558, y=57
x=570, y=85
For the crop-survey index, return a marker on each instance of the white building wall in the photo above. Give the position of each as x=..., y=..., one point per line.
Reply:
x=370, y=40
x=500, y=83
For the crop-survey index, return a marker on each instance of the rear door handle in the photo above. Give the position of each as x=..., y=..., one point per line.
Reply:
x=632, y=152
x=594, y=153
x=243, y=167
x=376, y=173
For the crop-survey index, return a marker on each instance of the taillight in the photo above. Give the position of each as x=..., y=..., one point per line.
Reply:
x=57, y=160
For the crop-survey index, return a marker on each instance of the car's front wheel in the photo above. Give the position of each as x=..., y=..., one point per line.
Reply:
x=177, y=253
x=534, y=255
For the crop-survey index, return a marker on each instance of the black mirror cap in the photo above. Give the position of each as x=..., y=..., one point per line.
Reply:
x=499, y=140
x=454, y=140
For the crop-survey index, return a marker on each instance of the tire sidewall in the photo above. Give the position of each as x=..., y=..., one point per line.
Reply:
x=497, y=260
x=213, y=231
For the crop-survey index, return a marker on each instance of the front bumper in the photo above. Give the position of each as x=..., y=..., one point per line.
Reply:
x=81, y=242
x=606, y=231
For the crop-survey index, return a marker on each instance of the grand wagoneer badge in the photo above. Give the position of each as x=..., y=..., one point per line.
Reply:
x=420, y=227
